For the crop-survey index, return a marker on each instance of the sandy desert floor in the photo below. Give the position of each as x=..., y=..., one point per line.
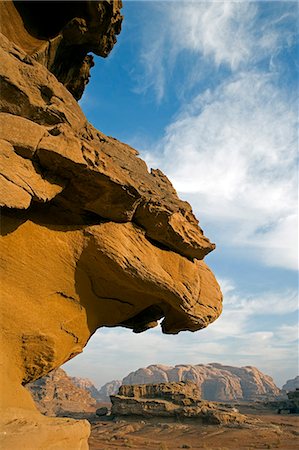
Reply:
x=270, y=432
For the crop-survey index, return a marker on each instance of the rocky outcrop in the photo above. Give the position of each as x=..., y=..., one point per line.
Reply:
x=287, y=403
x=291, y=385
x=87, y=385
x=91, y=238
x=215, y=381
x=60, y=35
x=56, y=394
x=108, y=389
x=176, y=400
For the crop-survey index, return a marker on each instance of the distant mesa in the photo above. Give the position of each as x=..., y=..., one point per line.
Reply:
x=215, y=382
x=58, y=394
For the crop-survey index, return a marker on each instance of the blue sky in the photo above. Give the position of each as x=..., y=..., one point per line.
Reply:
x=208, y=93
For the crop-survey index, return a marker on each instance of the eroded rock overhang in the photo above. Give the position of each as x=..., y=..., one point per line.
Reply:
x=61, y=35
x=139, y=245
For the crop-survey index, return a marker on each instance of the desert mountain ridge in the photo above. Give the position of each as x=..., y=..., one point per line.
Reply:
x=216, y=382
x=58, y=393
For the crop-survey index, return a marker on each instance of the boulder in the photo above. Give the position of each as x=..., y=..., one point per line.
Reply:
x=103, y=411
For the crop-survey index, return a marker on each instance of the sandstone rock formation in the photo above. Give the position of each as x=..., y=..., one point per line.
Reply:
x=60, y=35
x=176, y=400
x=215, y=381
x=291, y=385
x=90, y=237
x=56, y=394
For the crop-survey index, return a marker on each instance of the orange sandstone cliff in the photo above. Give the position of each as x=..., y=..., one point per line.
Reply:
x=90, y=238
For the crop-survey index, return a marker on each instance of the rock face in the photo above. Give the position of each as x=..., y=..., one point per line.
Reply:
x=177, y=400
x=59, y=35
x=215, y=381
x=56, y=394
x=108, y=389
x=291, y=385
x=87, y=385
x=90, y=237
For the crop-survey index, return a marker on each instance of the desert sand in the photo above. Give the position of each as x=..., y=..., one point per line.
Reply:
x=273, y=431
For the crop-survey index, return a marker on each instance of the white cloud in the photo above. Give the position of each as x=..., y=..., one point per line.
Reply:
x=232, y=152
x=242, y=311
x=232, y=149
x=219, y=33
x=280, y=244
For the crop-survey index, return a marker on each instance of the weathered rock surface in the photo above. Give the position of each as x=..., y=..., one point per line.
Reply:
x=56, y=394
x=90, y=237
x=177, y=400
x=87, y=385
x=288, y=403
x=35, y=431
x=60, y=35
x=215, y=381
x=108, y=389
x=291, y=385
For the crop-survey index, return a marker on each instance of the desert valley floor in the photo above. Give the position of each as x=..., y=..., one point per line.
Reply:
x=273, y=431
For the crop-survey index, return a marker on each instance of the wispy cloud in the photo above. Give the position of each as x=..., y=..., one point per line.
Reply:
x=234, y=35
x=233, y=153
x=232, y=148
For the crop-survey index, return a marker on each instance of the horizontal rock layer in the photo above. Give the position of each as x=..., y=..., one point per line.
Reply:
x=87, y=175
x=170, y=400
